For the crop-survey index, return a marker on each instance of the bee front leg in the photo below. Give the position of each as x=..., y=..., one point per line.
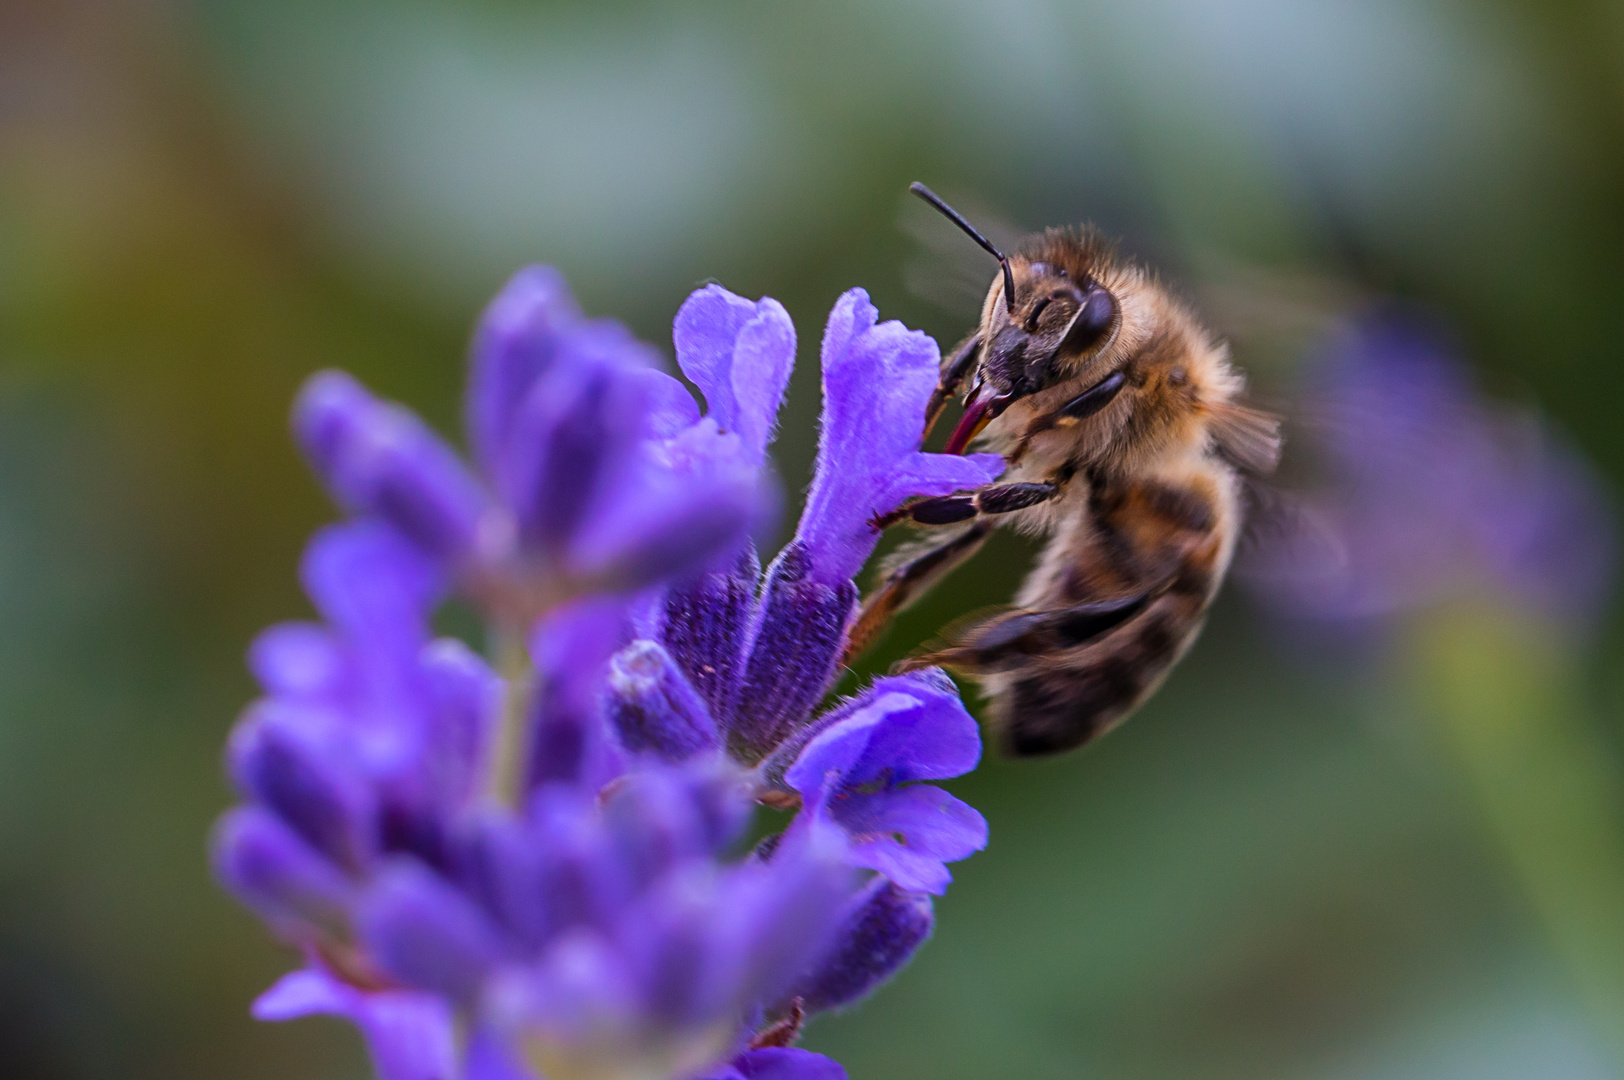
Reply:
x=952, y=509
x=958, y=364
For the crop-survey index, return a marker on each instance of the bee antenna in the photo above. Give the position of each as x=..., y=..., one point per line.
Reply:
x=970, y=230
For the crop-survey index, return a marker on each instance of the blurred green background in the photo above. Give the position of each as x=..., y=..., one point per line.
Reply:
x=1281, y=868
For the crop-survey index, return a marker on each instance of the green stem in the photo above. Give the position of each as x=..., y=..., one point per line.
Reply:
x=1548, y=785
x=505, y=765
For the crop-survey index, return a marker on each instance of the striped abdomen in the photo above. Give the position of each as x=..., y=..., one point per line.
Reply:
x=1121, y=592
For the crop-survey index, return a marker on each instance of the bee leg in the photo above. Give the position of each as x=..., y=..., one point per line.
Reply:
x=957, y=366
x=907, y=582
x=952, y=509
x=1004, y=641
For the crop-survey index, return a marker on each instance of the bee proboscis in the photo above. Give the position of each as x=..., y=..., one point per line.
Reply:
x=1127, y=440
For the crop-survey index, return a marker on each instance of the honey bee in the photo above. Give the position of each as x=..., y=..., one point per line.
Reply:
x=1127, y=443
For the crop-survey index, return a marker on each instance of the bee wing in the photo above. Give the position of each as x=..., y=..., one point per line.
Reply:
x=1248, y=438
x=1287, y=539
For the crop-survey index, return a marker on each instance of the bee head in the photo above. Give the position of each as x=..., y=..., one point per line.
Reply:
x=1055, y=320
x=1058, y=321
x=1044, y=315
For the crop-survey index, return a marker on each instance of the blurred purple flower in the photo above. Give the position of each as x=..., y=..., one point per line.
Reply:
x=592, y=474
x=1428, y=489
x=520, y=874
x=409, y=1034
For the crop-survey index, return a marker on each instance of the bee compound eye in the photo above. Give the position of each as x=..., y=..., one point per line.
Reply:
x=1091, y=322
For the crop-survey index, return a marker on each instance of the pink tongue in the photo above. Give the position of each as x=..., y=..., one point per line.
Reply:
x=969, y=424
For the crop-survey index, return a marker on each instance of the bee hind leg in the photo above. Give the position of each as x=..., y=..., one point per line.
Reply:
x=1007, y=640
x=907, y=582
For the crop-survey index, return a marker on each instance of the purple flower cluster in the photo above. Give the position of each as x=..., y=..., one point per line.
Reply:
x=1427, y=490
x=534, y=869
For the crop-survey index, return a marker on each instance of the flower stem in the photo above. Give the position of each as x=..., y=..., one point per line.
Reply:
x=505, y=765
x=1548, y=786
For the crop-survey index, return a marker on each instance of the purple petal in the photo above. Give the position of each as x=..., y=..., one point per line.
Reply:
x=269, y=868
x=908, y=833
x=671, y=408
x=819, y=771
x=782, y=915
x=381, y=460
x=786, y=1063
x=580, y=982
x=497, y=864
x=418, y=484
x=491, y=1058
x=876, y=382
x=371, y=585
x=662, y=816
x=409, y=1035
x=653, y=708
x=428, y=934
x=686, y=501
x=464, y=696
x=740, y=355
x=286, y=759
x=902, y=728
x=517, y=342
x=568, y=735
x=687, y=964
x=580, y=879
x=329, y=414
x=575, y=439
x=922, y=730
x=884, y=927
x=308, y=992
x=299, y=661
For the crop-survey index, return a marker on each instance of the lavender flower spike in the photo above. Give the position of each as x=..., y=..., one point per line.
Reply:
x=756, y=668
x=533, y=873
x=877, y=378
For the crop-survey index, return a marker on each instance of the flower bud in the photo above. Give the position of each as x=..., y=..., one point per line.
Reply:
x=272, y=870
x=881, y=931
x=653, y=708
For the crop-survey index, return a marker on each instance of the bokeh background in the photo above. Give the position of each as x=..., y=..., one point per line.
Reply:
x=1286, y=866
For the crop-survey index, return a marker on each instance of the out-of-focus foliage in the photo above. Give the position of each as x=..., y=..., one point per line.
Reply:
x=1281, y=868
